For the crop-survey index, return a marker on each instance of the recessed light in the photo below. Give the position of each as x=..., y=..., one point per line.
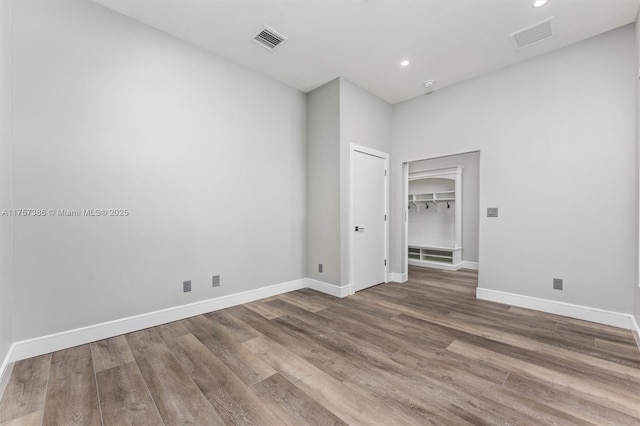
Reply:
x=539, y=3
x=428, y=84
x=404, y=63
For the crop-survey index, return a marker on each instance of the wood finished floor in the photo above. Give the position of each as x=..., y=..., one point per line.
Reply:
x=424, y=352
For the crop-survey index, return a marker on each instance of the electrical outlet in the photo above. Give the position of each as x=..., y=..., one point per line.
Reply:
x=557, y=283
x=215, y=281
x=186, y=286
x=320, y=267
x=492, y=212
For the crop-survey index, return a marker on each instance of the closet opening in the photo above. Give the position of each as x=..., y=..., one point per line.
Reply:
x=442, y=211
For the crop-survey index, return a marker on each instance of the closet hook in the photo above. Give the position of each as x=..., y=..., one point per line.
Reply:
x=426, y=204
x=448, y=206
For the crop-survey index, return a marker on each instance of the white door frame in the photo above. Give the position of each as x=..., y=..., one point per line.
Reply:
x=353, y=148
x=405, y=222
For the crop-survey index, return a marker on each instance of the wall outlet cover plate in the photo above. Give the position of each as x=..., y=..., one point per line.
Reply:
x=557, y=283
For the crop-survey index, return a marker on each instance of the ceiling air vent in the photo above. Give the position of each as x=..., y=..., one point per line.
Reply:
x=268, y=38
x=532, y=35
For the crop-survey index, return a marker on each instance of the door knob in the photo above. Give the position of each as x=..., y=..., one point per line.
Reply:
x=359, y=228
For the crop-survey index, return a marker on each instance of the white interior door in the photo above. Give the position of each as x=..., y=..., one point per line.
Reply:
x=369, y=231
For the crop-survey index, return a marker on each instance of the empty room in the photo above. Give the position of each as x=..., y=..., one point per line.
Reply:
x=286, y=212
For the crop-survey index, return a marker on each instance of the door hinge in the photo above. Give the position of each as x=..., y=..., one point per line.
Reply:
x=385, y=172
x=385, y=262
x=385, y=217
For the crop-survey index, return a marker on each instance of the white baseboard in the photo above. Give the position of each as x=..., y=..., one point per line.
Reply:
x=80, y=336
x=586, y=313
x=398, y=277
x=5, y=370
x=636, y=331
x=54, y=342
x=469, y=265
x=331, y=289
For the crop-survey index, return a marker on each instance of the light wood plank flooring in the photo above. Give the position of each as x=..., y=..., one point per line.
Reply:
x=425, y=352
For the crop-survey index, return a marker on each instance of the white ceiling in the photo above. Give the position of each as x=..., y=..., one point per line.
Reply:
x=364, y=40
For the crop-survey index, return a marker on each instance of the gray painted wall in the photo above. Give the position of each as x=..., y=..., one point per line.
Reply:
x=209, y=158
x=470, y=196
x=555, y=133
x=6, y=275
x=323, y=182
x=365, y=119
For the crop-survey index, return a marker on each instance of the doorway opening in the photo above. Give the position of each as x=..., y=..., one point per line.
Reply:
x=442, y=212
